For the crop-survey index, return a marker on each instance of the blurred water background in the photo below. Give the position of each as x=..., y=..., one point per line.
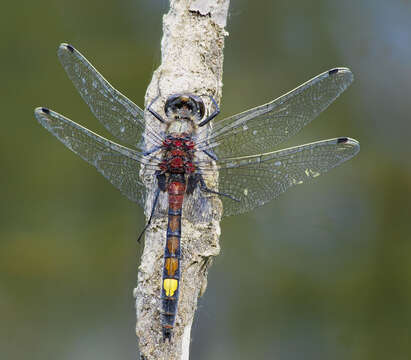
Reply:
x=323, y=272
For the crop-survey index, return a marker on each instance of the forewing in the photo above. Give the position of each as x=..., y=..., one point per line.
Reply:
x=259, y=129
x=117, y=163
x=256, y=180
x=120, y=116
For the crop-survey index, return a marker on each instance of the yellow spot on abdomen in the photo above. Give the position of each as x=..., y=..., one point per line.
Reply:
x=170, y=286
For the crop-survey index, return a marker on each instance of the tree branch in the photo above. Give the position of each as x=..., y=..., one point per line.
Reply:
x=192, y=62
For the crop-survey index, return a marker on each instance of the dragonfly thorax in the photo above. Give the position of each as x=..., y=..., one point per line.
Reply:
x=178, y=154
x=180, y=125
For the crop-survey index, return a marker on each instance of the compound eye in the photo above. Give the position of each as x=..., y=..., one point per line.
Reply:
x=200, y=108
x=170, y=104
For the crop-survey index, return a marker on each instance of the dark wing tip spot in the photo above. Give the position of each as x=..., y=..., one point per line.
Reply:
x=65, y=46
x=45, y=110
x=333, y=71
x=342, y=140
x=70, y=48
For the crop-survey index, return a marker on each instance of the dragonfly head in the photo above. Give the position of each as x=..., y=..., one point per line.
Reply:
x=184, y=106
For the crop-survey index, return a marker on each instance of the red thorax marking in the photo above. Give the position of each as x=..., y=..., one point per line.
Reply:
x=189, y=144
x=177, y=143
x=179, y=155
x=190, y=168
x=178, y=152
x=177, y=163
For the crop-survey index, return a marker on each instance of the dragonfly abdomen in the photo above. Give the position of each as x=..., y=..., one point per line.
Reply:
x=171, y=270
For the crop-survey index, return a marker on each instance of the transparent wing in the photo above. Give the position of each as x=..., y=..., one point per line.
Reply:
x=256, y=180
x=258, y=130
x=116, y=112
x=117, y=163
x=199, y=207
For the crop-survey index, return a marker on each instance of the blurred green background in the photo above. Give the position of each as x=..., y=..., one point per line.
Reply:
x=323, y=272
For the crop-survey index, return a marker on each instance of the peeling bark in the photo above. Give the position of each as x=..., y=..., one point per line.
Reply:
x=192, y=62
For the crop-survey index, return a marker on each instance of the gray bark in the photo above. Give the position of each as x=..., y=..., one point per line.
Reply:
x=192, y=62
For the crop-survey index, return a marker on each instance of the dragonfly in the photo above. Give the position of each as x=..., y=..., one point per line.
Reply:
x=166, y=163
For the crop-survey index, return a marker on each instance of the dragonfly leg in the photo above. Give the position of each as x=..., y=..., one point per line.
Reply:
x=154, y=113
x=152, y=213
x=204, y=188
x=213, y=115
x=211, y=154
